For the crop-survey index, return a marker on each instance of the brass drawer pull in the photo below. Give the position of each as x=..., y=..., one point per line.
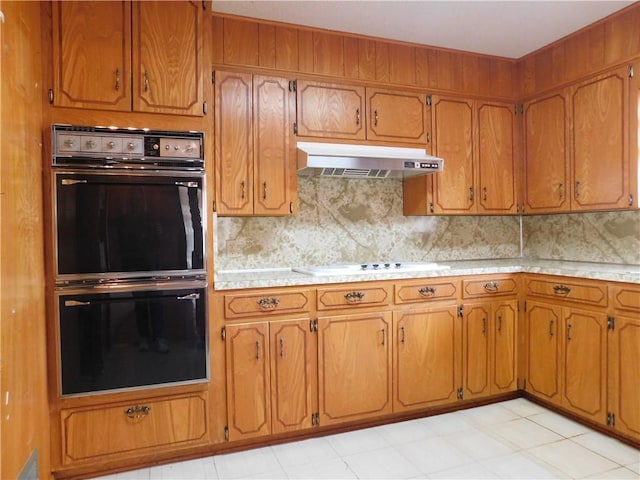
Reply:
x=268, y=303
x=137, y=412
x=427, y=291
x=491, y=286
x=561, y=289
x=354, y=297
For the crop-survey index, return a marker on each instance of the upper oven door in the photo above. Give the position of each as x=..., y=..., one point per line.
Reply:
x=128, y=224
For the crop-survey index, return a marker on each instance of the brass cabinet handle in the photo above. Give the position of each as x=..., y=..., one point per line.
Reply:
x=491, y=286
x=264, y=194
x=499, y=323
x=560, y=191
x=551, y=328
x=401, y=334
x=484, y=326
x=484, y=193
x=242, y=191
x=268, y=303
x=375, y=118
x=117, y=79
x=354, y=297
x=357, y=116
x=257, y=350
x=383, y=336
x=568, y=332
x=561, y=289
x=137, y=412
x=471, y=194
x=577, y=191
x=281, y=347
x=146, y=81
x=427, y=291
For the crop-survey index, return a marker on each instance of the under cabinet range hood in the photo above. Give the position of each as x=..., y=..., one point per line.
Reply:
x=364, y=161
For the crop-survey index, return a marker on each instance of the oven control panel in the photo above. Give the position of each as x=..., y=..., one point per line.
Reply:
x=110, y=146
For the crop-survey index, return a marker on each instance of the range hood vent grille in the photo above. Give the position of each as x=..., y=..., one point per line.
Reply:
x=364, y=161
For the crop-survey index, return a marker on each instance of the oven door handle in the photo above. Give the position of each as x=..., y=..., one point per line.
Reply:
x=75, y=303
x=191, y=296
x=187, y=184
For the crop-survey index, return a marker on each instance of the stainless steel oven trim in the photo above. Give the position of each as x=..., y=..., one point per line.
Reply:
x=184, y=285
x=67, y=279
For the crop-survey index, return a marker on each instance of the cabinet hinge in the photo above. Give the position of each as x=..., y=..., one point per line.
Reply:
x=295, y=128
x=223, y=333
x=630, y=70
x=611, y=419
x=315, y=419
x=460, y=394
x=429, y=100
x=204, y=107
x=51, y=96
x=226, y=434
x=293, y=85
x=431, y=207
x=461, y=311
x=611, y=323
x=213, y=205
x=631, y=199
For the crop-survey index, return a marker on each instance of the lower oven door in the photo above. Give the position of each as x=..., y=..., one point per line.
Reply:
x=140, y=338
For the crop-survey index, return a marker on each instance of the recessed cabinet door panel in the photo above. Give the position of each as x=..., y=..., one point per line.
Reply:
x=167, y=57
x=427, y=358
x=505, y=319
x=453, y=188
x=475, y=354
x=546, y=166
x=543, y=378
x=292, y=380
x=248, y=380
x=234, y=143
x=396, y=116
x=273, y=152
x=496, y=158
x=92, y=54
x=330, y=110
x=600, y=159
x=354, y=360
x=585, y=364
x=624, y=361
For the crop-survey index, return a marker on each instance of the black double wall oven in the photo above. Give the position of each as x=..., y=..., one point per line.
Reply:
x=129, y=227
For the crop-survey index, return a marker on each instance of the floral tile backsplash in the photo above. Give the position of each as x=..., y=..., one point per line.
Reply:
x=361, y=221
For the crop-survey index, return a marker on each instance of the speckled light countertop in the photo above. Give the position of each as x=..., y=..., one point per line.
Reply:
x=280, y=277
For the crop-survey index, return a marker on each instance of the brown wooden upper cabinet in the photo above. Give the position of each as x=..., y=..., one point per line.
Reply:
x=577, y=144
x=254, y=157
x=477, y=140
x=339, y=111
x=129, y=56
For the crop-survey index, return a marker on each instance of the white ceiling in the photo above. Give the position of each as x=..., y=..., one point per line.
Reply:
x=503, y=28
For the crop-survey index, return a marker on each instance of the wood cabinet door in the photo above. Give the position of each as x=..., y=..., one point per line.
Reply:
x=234, y=143
x=396, y=116
x=600, y=153
x=452, y=123
x=546, y=155
x=476, y=350
x=504, y=355
x=585, y=364
x=426, y=358
x=167, y=57
x=543, y=353
x=624, y=362
x=354, y=367
x=330, y=110
x=293, y=375
x=274, y=156
x=92, y=54
x=497, y=165
x=248, y=380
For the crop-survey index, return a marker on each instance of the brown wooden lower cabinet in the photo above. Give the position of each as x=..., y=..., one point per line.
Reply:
x=426, y=358
x=91, y=433
x=354, y=367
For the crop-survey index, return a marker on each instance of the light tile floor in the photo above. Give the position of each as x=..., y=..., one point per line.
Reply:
x=513, y=439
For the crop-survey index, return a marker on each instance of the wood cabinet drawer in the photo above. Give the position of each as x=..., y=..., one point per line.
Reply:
x=354, y=296
x=626, y=298
x=565, y=289
x=488, y=287
x=129, y=427
x=265, y=303
x=425, y=291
